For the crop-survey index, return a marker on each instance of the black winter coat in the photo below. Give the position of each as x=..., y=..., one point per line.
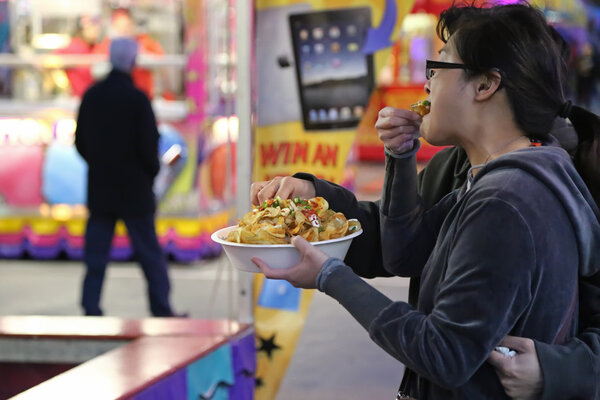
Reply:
x=117, y=136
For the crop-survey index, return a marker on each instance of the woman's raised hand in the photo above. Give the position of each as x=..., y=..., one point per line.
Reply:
x=286, y=187
x=302, y=275
x=398, y=128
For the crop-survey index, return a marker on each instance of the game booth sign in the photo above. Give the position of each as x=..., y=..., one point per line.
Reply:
x=185, y=66
x=325, y=69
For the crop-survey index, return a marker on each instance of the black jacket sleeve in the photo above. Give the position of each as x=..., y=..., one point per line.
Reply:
x=147, y=136
x=82, y=120
x=572, y=371
x=364, y=255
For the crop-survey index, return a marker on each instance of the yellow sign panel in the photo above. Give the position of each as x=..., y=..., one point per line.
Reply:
x=285, y=149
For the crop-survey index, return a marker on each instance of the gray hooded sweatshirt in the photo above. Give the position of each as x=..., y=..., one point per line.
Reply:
x=500, y=258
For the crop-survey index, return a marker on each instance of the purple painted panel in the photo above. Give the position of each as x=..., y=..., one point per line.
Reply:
x=9, y=251
x=244, y=354
x=74, y=253
x=212, y=250
x=173, y=386
x=185, y=255
x=244, y=366
x=121, y=253
x=43, y=253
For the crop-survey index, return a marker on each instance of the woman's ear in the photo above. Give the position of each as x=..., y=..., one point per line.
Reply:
x=487, y=84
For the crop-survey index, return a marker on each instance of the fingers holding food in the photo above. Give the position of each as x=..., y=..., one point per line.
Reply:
x=265, y=190
x=399, y=139
x=286, y=187
x=255, y=189
x=390, y=118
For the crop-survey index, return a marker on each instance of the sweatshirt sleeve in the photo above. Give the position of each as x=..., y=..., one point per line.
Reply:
x=485, y=289
x=360, y=299
x=408, y=230
x=572, y=371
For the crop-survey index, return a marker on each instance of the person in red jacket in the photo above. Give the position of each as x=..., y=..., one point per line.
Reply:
x=83, y=42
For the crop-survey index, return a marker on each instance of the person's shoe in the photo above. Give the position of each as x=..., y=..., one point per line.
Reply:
x=180, y=315
x=174, y=315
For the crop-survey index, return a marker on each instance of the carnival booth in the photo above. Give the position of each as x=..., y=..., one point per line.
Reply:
x=51, y=52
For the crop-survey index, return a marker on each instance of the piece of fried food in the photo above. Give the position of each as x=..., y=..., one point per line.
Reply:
x=421, y=107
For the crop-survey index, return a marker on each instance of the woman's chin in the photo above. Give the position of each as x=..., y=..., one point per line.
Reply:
x=425, y=132
x=429, y=136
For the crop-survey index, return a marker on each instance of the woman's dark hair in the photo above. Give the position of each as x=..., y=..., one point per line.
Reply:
x=532, y=59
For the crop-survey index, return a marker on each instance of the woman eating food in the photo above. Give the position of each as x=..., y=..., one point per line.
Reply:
x=502, y=254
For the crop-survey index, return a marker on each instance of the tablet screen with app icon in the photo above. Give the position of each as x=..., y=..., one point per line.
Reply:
x=335, y=77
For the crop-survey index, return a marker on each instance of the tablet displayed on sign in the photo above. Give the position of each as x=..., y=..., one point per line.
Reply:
x=335, y=77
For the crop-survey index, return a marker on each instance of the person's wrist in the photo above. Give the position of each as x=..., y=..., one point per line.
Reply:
x=305, y=188
x=408, y=153
x=331, y=264
x=310, y=190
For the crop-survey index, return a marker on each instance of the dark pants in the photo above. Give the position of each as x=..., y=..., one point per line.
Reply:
x=141, y=231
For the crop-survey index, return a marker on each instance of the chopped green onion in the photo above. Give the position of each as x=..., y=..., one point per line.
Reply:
x=426, y=103
x=321, y=229
x=276, y=203
x=296, y=200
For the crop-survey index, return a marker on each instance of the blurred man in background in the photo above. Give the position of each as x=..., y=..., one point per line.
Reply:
x=117, y=136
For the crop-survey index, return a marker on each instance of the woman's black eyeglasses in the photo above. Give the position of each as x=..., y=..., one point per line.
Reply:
x=431, y=66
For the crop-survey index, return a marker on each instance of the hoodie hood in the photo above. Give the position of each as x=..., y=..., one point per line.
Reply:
x=553, y=167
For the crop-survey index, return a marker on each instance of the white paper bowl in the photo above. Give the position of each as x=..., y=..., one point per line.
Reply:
x=276, y=255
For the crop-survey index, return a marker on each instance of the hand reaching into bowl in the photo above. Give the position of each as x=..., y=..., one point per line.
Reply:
x=302, y=275
x=286, y=187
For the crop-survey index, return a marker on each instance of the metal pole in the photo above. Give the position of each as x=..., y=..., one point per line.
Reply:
x=244, y=43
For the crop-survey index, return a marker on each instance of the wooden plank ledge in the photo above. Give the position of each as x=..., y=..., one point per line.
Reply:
x=123, y=372
x=112, y=328
x=143, y=352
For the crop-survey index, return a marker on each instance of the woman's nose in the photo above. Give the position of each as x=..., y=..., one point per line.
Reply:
x=426, y=87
